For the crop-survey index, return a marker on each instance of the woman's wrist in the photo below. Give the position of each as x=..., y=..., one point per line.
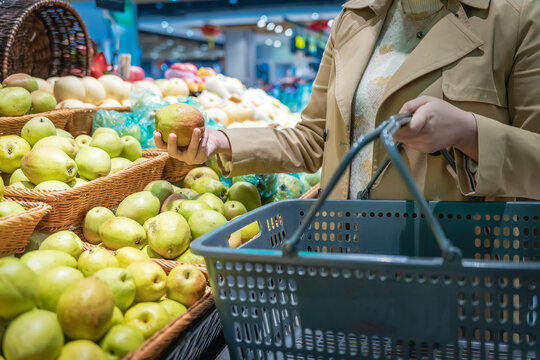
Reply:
x=468, y=143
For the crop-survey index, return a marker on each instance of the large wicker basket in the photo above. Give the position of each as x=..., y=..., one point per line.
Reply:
x=42, y=38
x=69, y=206
x=174, y=170
x=15, y=230
x=13, y=125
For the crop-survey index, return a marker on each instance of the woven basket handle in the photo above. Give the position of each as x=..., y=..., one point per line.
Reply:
x=385, y=132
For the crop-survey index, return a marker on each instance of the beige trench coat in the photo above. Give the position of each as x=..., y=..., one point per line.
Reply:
x=483, y=56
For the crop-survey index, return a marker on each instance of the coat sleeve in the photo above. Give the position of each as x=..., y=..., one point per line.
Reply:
x=298, y=149
x=509, y=155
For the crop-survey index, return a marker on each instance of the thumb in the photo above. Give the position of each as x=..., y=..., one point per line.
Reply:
x=413, y=105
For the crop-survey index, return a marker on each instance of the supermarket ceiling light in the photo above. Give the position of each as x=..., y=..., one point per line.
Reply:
x=270, y=26
x=278, y=29
x=288, y=32
x=189, y=33
x=277, y=44
x=170, y=30
x=268, y=42
x=261, y=23
x=315, y=16
x=164, y=24
x=264, y=18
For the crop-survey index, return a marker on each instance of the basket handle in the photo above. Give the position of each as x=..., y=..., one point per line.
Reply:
x=385, y=132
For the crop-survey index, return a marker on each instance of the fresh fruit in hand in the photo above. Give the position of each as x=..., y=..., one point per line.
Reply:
x=12, y=150
x=180, y=119
x=109, y=142
x=121, y=283
x=93, y=162
x=8, y=208
x=172, y=203
x=150, y=281
x=82, y=350
x=129, y=255
x=169, y=234
x=121, y=231
x=36, y=129
x=93, y=260
x=132, y=149
x=52, y=185
x=190, y=194
x=120, y=340
x=18, y=291
x=53, y=282
x=211, y=200
x=174, y=308
x=161, y=189
x=94, y=92
x=190, y=258
x=14, y=101
x=209, y=185
x=93, y=220
x=246, y=193
x=21, y=80
x=83, y=140
x=48, y=163
x=139, y=206
x=204, y=221
x=33, y=335
x=232, y=209
x=147, y=317
x=69, y=88
x=42, y=101
x=198, y=173
x=66, y=241
x=67, y=145
x=42, y=260
x=189, y=207
x=17, y=176
x=85, y=309
x=186, y=284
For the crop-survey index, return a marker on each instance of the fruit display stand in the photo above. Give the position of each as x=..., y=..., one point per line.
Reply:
x=174, y=170
x=69, y=206
x=14, y=124
x=15, y=230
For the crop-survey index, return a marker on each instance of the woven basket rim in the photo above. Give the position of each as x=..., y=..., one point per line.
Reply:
x=30, y=10
x=34, y=207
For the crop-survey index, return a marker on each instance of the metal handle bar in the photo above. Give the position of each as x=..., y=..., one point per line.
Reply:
x=385, y=132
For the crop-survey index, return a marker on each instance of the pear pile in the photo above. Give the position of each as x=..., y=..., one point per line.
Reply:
x=22, y=94
x=8, y=208
x=44, y=157
x=60, y=302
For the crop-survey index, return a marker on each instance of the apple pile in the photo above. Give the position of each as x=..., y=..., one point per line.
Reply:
x=44, y=157
x=60, y=302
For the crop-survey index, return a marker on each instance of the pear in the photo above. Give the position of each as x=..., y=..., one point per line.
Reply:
x=12, y=149
x=139, y=206
x=161, y=189
x=205, y=184
x=42, y=101
x=43, y=85
x=188, y=193
x=93, y=162
x=132, y=149
x=129, y=255
x=14, y=101
x=83, y=140
x=294, y=184
x=21, y=80
x=188, y=207
x=109, y=142
x=94, y=91
x=64, y=133
x=66, y=241
x=169, y=234
x=17, y=176
x=104, y=130
x=77, y=182
x=41, y=260
x=52, y=185
x=67, y=145
x=172, y=203
x=93, y=220
x=122, y=231
x=246, y=193
x=48, y=163
x=18, y=292
x=190, y=258
x=205, y=221
x=232, y=209
x=180, y=119
x=52, y=283
x=93, y=260
x=37, y=128
x=8, y=208
x=211, y=200
x=23, y=185
x=119, y=163
x=197, y=173
x=82, y=350
x=212, y=163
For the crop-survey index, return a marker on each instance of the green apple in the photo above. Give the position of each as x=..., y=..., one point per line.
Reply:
x=209, y=185
x=121, y=340
x=93, y=162
x=92, y=221
x=147, y=317
x=122, y=231
x=66, y=241
x=93, y=260
x=12, y=149
x=85, y=309
x=139, y=206
x=37, y=128
x=121, y=283
x=8, y=208
x=189, y=207
x=132, y=148
x=204, y=221
x=17, y=176
x=128, y=255
x=82, y=350
x=232, y=209
x=33, y=335
x=42, y=260
x=18, y=291
x=186, y=284
x=197, y=173
x=188, y=193
x=174, y=308
x=161, y=189
x=53, y=282
x=190, y=258
x=211, y=200
x=246, y=193
x=169, y=234
x=150, y=281
x=83, y=140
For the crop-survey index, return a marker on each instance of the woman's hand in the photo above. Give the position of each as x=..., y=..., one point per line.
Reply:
x=201, y=147
x=437, y=125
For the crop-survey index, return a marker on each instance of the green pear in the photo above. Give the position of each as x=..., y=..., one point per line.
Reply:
x=186, y=284
x=147, y=317
x=85, y=309
x=232, y=209
x=204, y=221
x=120, y=340
x=92, y=221
x=64, y=133
x=41, y=260
x=69, y=146
x=198, y=173
x=139, y=206
x=14, y=101
x=121, y=283
x=18, y=291
x=17, y=176
x=104, y=130
x=150, y=281
x=246, y=193
x=132, y=149
x=82, y=350
x=1, y=188
x=66, y=241
x=161, y=189
x=37, y=128
x=83, y=140
x=8, y=208
x=117, y=318
x=77, y=182
x=189, y=207
x=122, y=231
x=23, y=185
x=190, y=194
x=235, y=239
x=119, y=163
x=129, y=255
x=21, y=80
x=169, y=234
x=293, y=184
x=248, y=232
x=151, y=253
x=42, y=101
x=93, y=260
x=311, y=179
x=53, y=282
x=211, y=200
x=12, y=150
x=173, y=202
x=174, y=308
x=48, y=163
x=282, y=193
x=190, y=258
x=93, y=162
x=209, y=185
x=34, y=335
x=52, y=185
x=109, y=142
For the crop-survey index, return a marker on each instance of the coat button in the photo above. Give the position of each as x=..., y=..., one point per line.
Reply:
x=325, y=134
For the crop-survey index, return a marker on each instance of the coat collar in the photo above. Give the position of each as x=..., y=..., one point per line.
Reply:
x=378, y=5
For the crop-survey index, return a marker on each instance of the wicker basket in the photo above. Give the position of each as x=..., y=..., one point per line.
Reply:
x=82, y=120
x=13, y=125
x=42, y=38
x=15, y=230
x=312, y=193
x=69, y=206
x=174, y=170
